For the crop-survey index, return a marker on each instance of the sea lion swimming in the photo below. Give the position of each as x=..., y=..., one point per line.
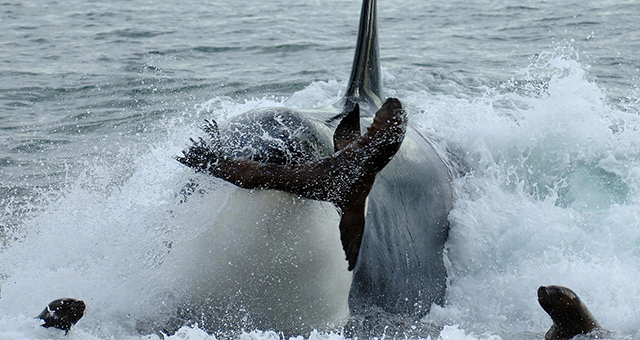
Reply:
x=326, y=193
x=62, y=314
x=570, y=316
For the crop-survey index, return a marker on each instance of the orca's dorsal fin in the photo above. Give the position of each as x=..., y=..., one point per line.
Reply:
x=365, y=85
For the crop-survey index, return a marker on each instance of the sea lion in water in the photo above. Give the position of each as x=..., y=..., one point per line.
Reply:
x=570, y=316
x=62, y=313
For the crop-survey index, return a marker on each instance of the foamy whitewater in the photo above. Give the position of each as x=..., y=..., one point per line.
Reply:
x=545, y=133
x=548, y=195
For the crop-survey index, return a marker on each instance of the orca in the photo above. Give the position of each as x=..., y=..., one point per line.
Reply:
x=324, y=221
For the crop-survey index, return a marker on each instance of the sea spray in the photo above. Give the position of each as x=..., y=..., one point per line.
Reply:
x=547, y=194
x=550, y=198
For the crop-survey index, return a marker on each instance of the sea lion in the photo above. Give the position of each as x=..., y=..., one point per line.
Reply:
x=344, y=178
x=62, y=313
x=570, y=316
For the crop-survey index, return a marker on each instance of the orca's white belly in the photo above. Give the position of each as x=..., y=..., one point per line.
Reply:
x=273, y=255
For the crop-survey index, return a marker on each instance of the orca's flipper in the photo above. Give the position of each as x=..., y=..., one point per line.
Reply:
x=344, y=178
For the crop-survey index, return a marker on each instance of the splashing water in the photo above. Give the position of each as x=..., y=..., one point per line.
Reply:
x=548, y=195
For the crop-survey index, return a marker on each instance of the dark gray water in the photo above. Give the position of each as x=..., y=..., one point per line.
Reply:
x=76, y=72
x=540, y=97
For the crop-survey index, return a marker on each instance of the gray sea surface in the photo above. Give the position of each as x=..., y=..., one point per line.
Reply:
x=77, y=72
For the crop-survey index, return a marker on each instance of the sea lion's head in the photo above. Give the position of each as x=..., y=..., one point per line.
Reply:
x=557, y=301
x=570, y=316
x=62, y=313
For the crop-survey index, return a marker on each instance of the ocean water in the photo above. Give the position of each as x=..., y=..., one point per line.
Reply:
x=536, y=101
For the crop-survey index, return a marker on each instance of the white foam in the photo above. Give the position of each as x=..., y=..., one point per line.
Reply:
x=551, y=198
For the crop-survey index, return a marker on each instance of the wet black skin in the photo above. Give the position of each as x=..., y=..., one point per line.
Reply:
x=62, y=313
x=570, y=316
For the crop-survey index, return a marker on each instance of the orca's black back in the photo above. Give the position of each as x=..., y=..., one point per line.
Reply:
x=401, y=266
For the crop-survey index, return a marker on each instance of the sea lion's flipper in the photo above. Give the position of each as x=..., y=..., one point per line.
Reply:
x=351, y=231
x=344, y=178
x=348, y=130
